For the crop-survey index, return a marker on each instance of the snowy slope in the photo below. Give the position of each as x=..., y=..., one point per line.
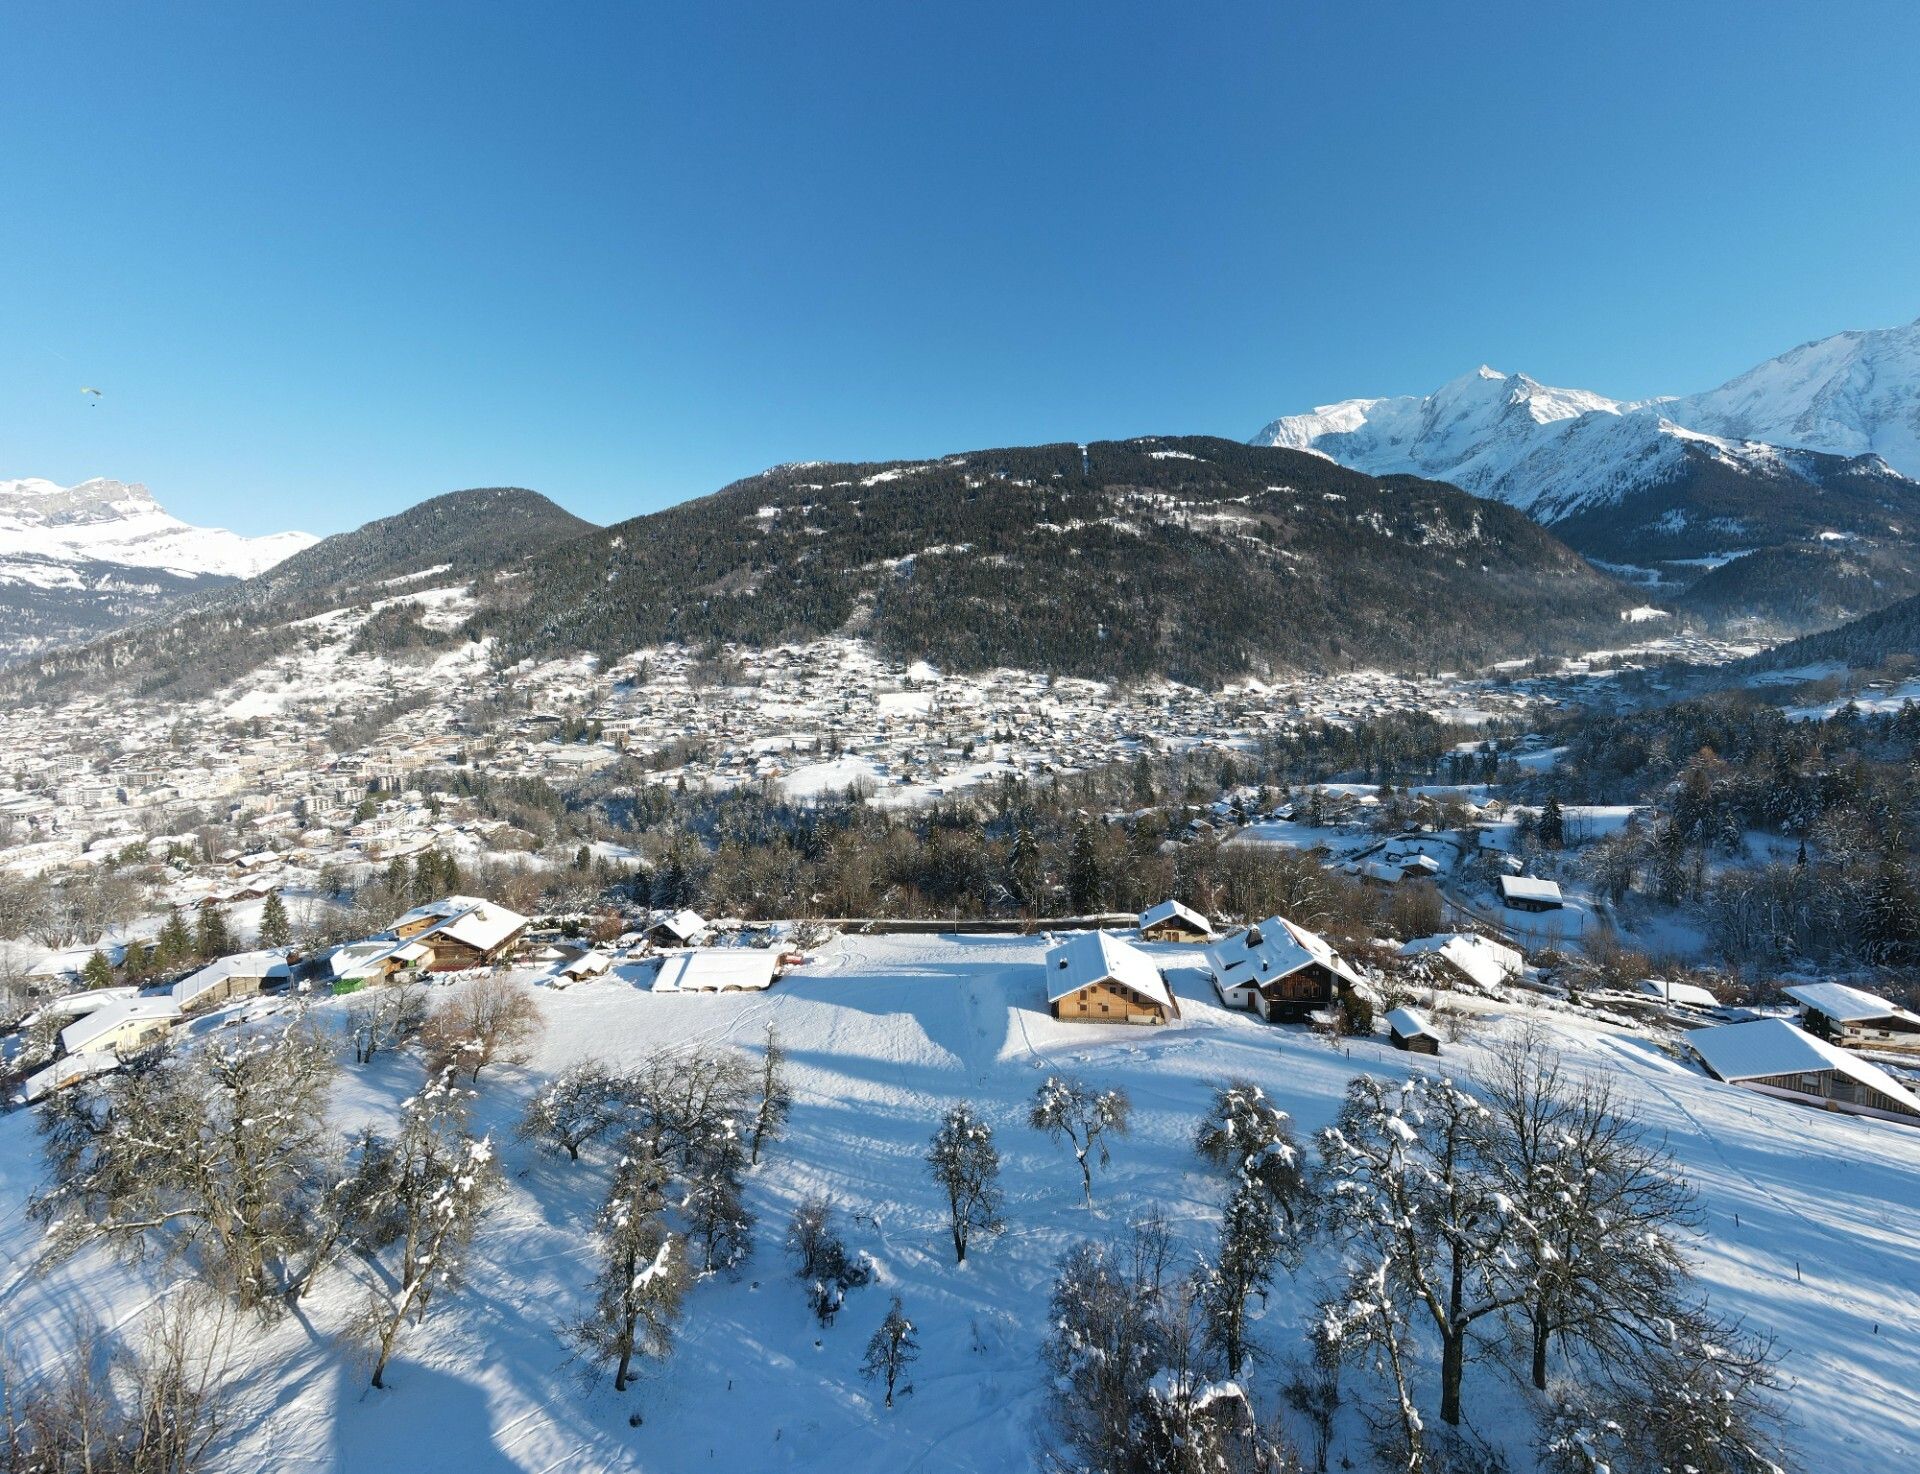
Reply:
x=1807, y=1231
x=78, y=560
x=1558, y=453
x=1852, y=394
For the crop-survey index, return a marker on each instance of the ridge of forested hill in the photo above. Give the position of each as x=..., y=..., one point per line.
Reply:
x=202, y=641
x=1863, y=643
x=1192, y=557
x=1806, y=586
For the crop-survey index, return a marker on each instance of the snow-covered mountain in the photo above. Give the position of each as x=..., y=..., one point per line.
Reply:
x=1827, y=433
x=78, y=560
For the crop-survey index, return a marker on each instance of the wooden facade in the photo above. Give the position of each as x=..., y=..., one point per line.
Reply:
x=1837, y=1090
x=1108, y=1002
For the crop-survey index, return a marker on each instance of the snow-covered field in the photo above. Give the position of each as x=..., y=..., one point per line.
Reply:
x=1809, y=1231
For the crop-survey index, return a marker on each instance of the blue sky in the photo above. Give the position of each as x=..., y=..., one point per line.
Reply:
x=326, y=260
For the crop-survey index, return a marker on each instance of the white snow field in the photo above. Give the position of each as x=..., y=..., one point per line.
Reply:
x=1810, y=1232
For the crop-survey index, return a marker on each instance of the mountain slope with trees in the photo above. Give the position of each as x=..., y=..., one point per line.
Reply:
x=1191, y=557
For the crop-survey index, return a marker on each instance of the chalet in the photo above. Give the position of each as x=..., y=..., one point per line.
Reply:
x=1772, y=1057
x=718, y=970
x=681, y=929
x=1530, y=893
x=462, y=931
x=1279, y=970
x=240, y=976
x=1857, y=1019
x=1172, y=922
x=1099, y=978
x=121, y=1028
x=1409, y=1030
x=1479, y=962
x=376, y=961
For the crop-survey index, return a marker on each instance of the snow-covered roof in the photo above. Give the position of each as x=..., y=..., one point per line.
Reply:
x=1407, y=1022
x=67, y=1070
x=1272, y=949
x=1691, y=994
x=1529, y=888
x=1772, y=1046
x=1842, y=1004
x=588, y=964
x=1484, y=961
x=1090, y=957
x=260, y=965
x=482, y=925
x=686, y=925
x=713, y=969
x=1173, y=911
x=73, y=1005
x=82, y=1034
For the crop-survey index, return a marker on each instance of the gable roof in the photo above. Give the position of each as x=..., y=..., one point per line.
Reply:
x=683, y=924
x=711, y=969
x=1691, y=994
x=1529, y=888
x=1272, y=949
x=1842, y=1004
x=1772, y=1046
x=78, y=1036
x=1090, y=957
x=1407, y=1022
x=1481, y=959
x=1173, y=911
x=262, y=965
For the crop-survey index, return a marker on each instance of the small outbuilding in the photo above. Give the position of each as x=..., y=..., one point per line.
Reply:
x=1530, y=893
x=240, y=976
x=681, y=929
x=1172, y=922
x=1409, y=1030
x=1096, y=978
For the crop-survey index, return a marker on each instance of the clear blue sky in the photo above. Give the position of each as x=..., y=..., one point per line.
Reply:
x=328, y=259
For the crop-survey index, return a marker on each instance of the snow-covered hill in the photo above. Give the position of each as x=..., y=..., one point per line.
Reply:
x=78, y=560
x=1842, y=412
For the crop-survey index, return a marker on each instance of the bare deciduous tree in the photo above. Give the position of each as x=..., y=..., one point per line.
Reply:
x=492, y=1018
x=1067, y=1107
x=643, y=1271
x=579, y=1105
x=891, y=1349
x=967, y=1168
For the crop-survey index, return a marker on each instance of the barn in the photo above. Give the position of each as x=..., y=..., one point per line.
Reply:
x=1279, y=970
x=226, y=978
x=1772, y=1057
x=1530, y=893
x=718, y=970
x=1100, y=979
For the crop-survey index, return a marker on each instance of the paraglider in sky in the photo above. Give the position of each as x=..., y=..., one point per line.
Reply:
x=93, y=397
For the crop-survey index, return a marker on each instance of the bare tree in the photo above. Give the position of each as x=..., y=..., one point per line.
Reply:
x=822, y=1258
x=492, y=1018
x=385, y=1018
x=579, y=1105
x=215, y=1149
x=715, y=1211
x=891, y=1349
x=679, y=1096
x=775, y=1097
x=1067, y=1107
x=1409, y=1188
x=1366, y=1320
x=426, y=1194
x=967, y=1168
x=1595, y=1252
x=1242, y=1267
x=643, y=1271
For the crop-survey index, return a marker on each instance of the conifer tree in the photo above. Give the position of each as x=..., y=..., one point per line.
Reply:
x=275, y=930
x=98, y=973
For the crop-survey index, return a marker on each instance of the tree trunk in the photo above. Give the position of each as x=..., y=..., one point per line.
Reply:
x=1540, y=1334
x=626, y=1360
x=1453, y=1357
x=1086, y=1179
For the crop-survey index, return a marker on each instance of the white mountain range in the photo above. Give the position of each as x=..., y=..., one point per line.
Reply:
x=1556, y=453
x=78, y=559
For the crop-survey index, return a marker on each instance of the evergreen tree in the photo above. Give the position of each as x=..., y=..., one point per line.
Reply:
x=1552, y=829
x=175, y=943
x=275, y=930
x=212, y=939
x=98, y=973
x=1084, y=880
x=1024, y=874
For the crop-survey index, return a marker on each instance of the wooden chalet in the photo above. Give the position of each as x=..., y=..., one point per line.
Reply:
x=1530, y=893
x=1172, y=922
x=1097, y=978
x=462, y=932
x=1278, y=970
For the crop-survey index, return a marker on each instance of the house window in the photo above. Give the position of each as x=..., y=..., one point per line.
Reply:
x=1105, y=1009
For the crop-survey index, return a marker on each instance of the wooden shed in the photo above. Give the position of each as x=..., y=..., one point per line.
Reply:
x=1409, y=1030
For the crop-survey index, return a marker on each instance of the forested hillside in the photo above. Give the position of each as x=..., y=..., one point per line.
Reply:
x=1868, y=641
x=203, y=641
x=1192, y=557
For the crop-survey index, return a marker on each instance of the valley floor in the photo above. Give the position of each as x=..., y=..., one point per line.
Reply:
x=1808, y=1232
